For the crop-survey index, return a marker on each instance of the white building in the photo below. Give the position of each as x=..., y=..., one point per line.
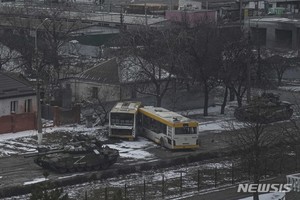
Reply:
x=189, y=5
x=16, y=95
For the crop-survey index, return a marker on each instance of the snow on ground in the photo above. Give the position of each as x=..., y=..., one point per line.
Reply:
x=212, y=109
x=8, y=136
x=221, y=165
x=63, y=177
x=290, y=88
x=211, y=125
x=127, y=149
x=77, y=128
x=153, y=178
x=36, y=180
x=133, y=149
x=23, y=142
x=219, y=125
x=268, y=196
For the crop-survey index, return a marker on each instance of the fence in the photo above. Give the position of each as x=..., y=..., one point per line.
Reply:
x=47, y=112
x=165, y=187
x=60, y=115
x=192, y=180
x=18, y=122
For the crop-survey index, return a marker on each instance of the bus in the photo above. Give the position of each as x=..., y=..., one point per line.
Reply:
x=123, y=120
x=167, y=128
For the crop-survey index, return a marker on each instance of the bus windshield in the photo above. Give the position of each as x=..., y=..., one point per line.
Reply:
x=121, y=119
x=185, y=130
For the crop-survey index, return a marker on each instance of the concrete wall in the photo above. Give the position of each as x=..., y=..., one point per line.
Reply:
x=17, y=122
x=5, y=105
x=279, y=32
x=83, y=89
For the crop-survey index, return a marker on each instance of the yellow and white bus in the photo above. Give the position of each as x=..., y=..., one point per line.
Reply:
x=123, y=120
x=167, y=128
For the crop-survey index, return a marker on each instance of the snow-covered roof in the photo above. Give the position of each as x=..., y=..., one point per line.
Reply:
x=274, y=20
x=165, y=115
x=126, y=107
x=138, y=70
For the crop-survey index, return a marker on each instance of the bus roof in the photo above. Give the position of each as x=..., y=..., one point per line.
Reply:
x=167, y=117
x=126, y=107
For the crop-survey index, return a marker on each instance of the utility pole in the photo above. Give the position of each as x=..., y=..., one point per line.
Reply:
x=241, y=12
x=248, y=84
x=146, y=17
x=122, y=18
x=38, y=96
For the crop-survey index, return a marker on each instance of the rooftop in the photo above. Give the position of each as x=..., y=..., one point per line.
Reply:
x=166, y=115
x=126, y=107
x=273, y=20
x=14, y=85
x=105, y=72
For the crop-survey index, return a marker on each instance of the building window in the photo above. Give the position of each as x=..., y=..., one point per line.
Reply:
x=28, y=105
x=95, y=92
x=13, y=106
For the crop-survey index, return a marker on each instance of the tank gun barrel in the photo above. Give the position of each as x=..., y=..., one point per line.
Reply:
x=28, y=155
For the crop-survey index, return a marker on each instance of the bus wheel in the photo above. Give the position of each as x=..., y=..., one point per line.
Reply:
x=162, y=143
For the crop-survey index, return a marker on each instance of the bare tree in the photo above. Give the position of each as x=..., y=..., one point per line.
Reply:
x=252, y=142
x=148, y=58
x=100, y=105
x=236, y=54
x=202, y=48
x=279, y=61
x=7, y=57
x=40, y=35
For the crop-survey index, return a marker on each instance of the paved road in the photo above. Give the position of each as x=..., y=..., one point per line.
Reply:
x=15, y=170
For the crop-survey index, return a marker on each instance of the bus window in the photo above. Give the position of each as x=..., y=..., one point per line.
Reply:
x=122, y=119
x=185, y=130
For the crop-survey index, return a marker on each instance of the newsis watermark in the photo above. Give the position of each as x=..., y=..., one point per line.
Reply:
x=264, y=187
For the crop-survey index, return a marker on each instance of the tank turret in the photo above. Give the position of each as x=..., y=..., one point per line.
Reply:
x=266, y=108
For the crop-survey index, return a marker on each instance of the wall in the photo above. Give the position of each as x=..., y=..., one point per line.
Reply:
x=17, y=122
x=192, y=18
x=180, y=100
x=66, y=116
x=5, y=104
x=83, y=90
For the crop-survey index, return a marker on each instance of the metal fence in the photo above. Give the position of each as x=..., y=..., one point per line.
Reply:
x=178, y=183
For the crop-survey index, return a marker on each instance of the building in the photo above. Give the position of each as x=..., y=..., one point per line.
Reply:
x=275, y=32
x=291, y=6
x=17, y=104
x=16, y=95
x=100, y=81
x=111, y=81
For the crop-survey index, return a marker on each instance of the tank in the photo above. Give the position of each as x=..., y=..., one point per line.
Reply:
x=82, y=156
x=266, y=108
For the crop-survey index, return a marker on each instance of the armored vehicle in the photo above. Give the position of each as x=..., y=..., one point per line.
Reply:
x=82, y=156
x=266, y=108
